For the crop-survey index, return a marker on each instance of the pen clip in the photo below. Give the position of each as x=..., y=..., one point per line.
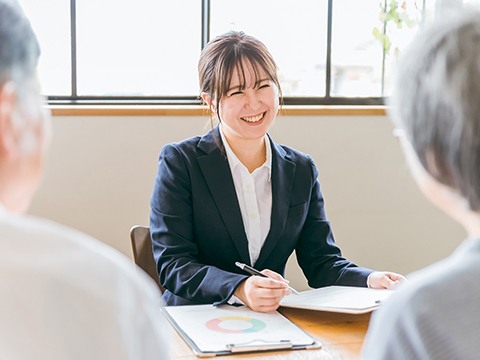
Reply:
x=259, y=345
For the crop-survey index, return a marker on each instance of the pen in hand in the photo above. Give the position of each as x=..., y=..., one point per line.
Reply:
x=255, y=272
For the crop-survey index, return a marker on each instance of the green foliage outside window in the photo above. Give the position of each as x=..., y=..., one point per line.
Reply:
x=393, y=14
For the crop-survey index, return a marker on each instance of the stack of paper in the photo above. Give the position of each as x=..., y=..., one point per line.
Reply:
x=344, y=299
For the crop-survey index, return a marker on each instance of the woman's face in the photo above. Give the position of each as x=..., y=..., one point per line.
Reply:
x=247, y=114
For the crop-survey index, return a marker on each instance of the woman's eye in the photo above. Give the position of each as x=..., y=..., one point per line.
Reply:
x=264, y=86
x=236, y=93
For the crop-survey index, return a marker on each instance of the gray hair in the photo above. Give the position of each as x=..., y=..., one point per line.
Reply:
x=19, y=48
x=436, y=101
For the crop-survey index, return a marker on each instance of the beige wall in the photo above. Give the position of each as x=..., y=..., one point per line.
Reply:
x=100, y=172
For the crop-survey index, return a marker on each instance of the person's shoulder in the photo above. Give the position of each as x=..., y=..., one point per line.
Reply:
x=393, y=327
x=182, y=155
x=433, y=293
x=185, y=144
x=447, y=278
x=72, y=255
x=76, y=279
x=305, y=167
x=420, y=315
x=190, y=145
x=422, y=312
x=292, y=154
x=420, y=295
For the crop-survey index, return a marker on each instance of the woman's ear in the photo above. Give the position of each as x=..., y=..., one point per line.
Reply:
x=209, y=102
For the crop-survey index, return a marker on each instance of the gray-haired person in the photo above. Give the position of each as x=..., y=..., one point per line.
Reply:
x=436, y=107
x=63, y=295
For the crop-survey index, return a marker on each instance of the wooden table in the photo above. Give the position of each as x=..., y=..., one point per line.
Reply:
x=341, y=336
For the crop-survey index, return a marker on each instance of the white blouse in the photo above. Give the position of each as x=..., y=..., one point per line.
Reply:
x=254, y=193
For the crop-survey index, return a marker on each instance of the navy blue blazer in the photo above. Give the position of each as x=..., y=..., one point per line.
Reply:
x=197, y=228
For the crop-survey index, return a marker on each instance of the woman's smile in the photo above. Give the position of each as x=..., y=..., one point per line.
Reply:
x=254, y=119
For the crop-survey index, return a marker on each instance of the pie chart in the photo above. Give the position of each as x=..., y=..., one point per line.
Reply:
x=235, y=325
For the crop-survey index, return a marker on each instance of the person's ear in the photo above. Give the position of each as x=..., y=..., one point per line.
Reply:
x=9, y=146
x=209, y=102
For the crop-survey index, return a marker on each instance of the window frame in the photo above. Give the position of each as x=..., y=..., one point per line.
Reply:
x=74, y=99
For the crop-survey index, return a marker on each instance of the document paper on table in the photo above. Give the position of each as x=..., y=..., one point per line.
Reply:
x=345, y=299
x=217, y=329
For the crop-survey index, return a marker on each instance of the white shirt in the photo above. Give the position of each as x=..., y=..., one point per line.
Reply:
x=434, y=316
x=65, y=295
x=254, y=194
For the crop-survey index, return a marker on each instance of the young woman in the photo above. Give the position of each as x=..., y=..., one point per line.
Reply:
x=235, y=195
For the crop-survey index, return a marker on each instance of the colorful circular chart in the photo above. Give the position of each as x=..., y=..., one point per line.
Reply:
x=235, y=325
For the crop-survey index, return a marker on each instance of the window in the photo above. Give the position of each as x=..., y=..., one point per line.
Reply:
x=146, y=51
x=53, y=33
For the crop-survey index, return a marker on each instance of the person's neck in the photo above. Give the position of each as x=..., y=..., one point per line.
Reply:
x=18, y=182
x=251, y=153
x=471, y=224
x=13, y=197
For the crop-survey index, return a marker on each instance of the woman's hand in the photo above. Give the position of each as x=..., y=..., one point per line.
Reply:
x=384, y=280
x=263, y=294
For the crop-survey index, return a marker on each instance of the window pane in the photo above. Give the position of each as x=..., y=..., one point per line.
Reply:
x=53, y=32
x=358, y=69
x=428, y=13
x=400, y=34
x=356, y=55
x=135, y=48
x=294, y=32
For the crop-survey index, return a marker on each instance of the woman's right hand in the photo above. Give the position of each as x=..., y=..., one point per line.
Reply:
x=263, y=294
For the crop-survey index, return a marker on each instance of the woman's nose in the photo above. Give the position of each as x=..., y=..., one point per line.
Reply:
x=252, y=101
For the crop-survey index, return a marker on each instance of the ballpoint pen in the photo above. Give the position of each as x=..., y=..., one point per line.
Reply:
x=255, y=272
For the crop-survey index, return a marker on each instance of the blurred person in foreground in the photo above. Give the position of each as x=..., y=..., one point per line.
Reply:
x=436, y=108
x=63, y=295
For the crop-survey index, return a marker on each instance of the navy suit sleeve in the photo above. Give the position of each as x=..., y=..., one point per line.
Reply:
x=319, y=257
x=173, y=238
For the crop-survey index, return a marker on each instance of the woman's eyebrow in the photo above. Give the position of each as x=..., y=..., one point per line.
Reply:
x=262, y=80
x=256, y=83
x=234, y=87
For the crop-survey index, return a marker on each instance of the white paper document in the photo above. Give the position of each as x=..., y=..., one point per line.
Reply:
x=226, y=328
x=345, y=299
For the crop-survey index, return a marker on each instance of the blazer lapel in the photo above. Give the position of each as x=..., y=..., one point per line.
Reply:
x=282, y=176
x=216, y=170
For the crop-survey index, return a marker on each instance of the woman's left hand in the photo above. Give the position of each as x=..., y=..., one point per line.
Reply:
x=384, y=280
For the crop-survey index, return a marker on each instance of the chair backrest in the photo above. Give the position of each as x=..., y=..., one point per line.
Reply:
x=142, y=252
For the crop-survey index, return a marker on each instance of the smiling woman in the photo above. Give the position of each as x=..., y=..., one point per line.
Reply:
x=235, y=195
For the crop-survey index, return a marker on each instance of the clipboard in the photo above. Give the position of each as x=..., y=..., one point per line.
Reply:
x=341, y=299
x=226, y=330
